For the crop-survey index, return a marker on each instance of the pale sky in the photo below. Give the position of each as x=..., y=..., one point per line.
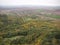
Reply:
x=30, y=2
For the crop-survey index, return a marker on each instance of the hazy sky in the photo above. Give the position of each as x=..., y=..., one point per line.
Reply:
x=30, y=2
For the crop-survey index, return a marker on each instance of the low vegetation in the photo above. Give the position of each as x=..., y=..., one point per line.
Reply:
x=29, y=30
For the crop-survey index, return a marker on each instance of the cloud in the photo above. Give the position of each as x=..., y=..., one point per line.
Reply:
x=30, y=2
